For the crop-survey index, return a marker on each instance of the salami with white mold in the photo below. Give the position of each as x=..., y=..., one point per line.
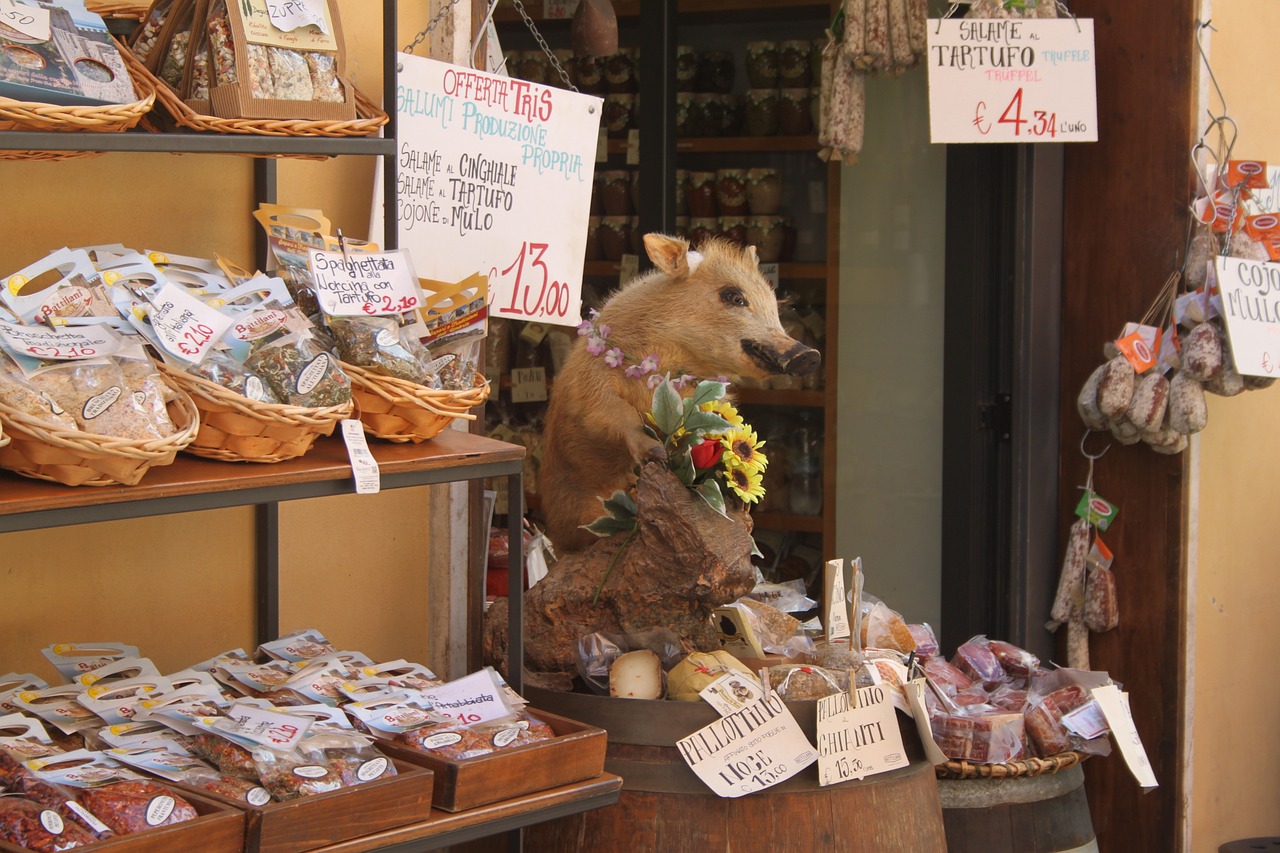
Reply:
x=1087, y=401
x=1115, y=391
x=1203, y=352
x=1188, y=411
x=1150, y=399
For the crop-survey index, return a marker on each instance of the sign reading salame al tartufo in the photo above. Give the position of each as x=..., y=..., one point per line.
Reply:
x=494, y=176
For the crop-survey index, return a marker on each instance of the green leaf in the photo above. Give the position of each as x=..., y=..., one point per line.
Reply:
x=706, y=422
x=621, y=505
x=666, y=408
x=608, y=526
x=709, y=491
x=681, y=464
x=708, y=392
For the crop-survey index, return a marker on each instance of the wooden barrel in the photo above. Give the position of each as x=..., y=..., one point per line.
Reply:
x=665, y=807
x=1029, y=814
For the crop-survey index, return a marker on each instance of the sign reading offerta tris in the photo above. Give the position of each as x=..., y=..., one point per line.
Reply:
x=494, y=176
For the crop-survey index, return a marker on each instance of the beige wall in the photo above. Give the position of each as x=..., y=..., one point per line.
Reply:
x=181, y=586
x=1235, y=735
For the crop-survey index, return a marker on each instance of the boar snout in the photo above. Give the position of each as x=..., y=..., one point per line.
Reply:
x=796, y=360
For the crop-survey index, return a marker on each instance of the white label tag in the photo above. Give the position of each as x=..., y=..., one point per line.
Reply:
x=363, y=465
x=750, y=750
x=628, y=268
x=88, y=817
x=559, y=9
x=858, y=736
x=528, y=384
x=1012, y=80
x=62, y=343
x=1086, y=721
x=770, y=272
x=474, y=698
x=731, y=692
x=1115, y=707
x=364, y=283
x=288, y=15
x=31, y=21
x=915, y=701
x=51, y=821
x=310, y=771
x=184, y=325
x=269, y=728
x=258, y=797
x=159, y=809
x=371, y=769
x=837, y=621
x=633, y=147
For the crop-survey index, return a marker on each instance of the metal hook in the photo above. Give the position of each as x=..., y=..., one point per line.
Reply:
x=1201, y=26
x=1087, y=455
x=1062, y=7
x=951, y=10
x=480, y=34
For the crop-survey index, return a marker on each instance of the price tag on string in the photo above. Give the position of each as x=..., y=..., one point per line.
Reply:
x=750, y=750
x=269, y=728
x=770, y=272
x=731, y=692
x=30, y=21
x=528, y=384
x=1251, y=307
x=60, y=343
x=1114, y=705
x=1012, y=80
x=288, y=15
x=858, y=736
x=365, y=283
x=363, y=465
x=185, y=326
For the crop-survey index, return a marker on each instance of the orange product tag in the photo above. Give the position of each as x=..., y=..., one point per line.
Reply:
x=1251, y=173
x=1259, y=227
x=1227, y=216
x=1140, y=345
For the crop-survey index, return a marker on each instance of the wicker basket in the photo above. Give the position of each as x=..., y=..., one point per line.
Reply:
x=1012, y=769
x=76, y=458
x=234, y=428
x=103, y=118
x=399, y=410
x=132, y=9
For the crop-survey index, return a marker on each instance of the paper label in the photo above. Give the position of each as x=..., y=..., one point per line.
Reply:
x=441, y=740
x=731, y=692
x=371, y=769
x=837, y=621
x=500, y=170
x=310, y=771
x=736, y=636
x=770, y=272
x=858, y=736
x=628, y=268
x=258, y=797
x=1012, y=80
x=1251, y=307
x=1140, y=345
x=1086, y=721
x=159, y=809
x=528, y=384
x=915, y=689
x=1115, y=708
x=364, y=283
x=269, y=728
x=51, y=821
x=31, y=21
x=290, y=14
x=506, y=736
x=260, y=27
x=474, y=698
x=750, y=750
x=88, y=817
x=633, y=147
x=61, y=343
x=559, y=9
x=185, y=326
x=363, y=465
x=1100, y=513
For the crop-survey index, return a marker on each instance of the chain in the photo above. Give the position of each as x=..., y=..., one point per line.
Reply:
x=542, y=43
x=431, y=25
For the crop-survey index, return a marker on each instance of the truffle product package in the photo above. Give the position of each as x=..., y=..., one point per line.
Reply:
x=74, y=62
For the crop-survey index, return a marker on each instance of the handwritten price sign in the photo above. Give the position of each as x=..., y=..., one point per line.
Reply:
x=365, y=283
x=61, y=343
x=494, y=176
x=184, y=325
x=1012, y=80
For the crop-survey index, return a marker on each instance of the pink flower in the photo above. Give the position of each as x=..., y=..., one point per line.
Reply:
x=613, y=357
x=586, y=327
x=655, y=380
x=650, y=364
x=603, y=331
x=635, y=371
x=595, y=345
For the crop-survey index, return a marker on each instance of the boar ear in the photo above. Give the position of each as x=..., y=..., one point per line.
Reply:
x=751, y=254
x=669, y=254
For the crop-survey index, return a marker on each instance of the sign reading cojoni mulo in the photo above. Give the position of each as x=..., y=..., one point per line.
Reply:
x=494, y=176
x=1251, y=307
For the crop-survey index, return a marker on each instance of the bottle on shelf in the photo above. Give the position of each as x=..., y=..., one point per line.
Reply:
x=806, y=466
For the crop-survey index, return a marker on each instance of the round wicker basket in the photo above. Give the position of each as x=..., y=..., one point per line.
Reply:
x=234, y=428
x=1012, y=769
x=103, y=118
x=399, y=410
x=76, y=458
x=131, y=9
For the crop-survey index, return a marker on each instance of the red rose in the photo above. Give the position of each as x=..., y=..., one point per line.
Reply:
x=707, y=454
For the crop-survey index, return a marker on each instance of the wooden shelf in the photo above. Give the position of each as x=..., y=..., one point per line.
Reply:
x=442, y=829
x=786, y=521
x=778, y=397
x=724, y=144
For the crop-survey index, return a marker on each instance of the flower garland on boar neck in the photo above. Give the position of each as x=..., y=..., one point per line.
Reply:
x=647, y=368
x=708, y=447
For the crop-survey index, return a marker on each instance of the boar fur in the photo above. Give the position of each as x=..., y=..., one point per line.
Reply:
x=709, y=315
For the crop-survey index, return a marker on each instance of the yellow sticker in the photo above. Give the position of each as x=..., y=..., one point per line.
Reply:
x=110, y=277
x=215, y=302
x=88, y=678
x=15, y=284
x=28, y=696
x=158, y=258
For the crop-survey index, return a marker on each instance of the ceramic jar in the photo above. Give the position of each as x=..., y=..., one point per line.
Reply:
x=592, y=251
x=767, y=235
x=702, y=229
x=686, y=68
x=731, y=192
x=618, y=113
x=682, y=192
x=615, y=192
x=793, y=64
x=588, y=71
x=702, y=194
x=734, y=229
x=712, y=108
x=614, y=237
x=730, y=119
x=760, y=116
x=762, y=64
x=619, y=71
x=715, y=72
x=764, y=191
x=685, y=118
x=795, y=116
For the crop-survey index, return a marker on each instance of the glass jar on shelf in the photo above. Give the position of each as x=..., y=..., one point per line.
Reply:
x=806, y=466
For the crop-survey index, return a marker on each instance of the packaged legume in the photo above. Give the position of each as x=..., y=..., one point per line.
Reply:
x=148, y=34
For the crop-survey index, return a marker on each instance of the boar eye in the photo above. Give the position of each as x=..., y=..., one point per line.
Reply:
x=733, y=297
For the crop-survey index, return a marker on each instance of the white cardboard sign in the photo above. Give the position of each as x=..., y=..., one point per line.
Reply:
x=494, y=176
x=1115, y=708
x=61, y=343
x=364, y=283
x=749, y=750
x=184, y=325
x=1012, y=80
x=474, y=698
x=1251, y=307
x=858, y=735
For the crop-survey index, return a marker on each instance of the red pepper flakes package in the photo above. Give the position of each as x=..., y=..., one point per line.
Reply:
x=976, y=660
x=328, y=761
x=114, y=795
x=459, y=742
x=991, y=738
x=33, y=827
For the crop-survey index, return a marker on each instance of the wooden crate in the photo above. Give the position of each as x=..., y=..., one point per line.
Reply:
x=218, y=829
x=576, y=753
x=314, y=821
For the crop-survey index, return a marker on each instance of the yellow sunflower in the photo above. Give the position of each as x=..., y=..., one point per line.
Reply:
x=724, y=409
x=743, y=449
x=745, y=482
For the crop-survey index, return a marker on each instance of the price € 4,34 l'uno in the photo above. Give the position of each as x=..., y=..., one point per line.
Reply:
x=1020, y=120
x=533, y=290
